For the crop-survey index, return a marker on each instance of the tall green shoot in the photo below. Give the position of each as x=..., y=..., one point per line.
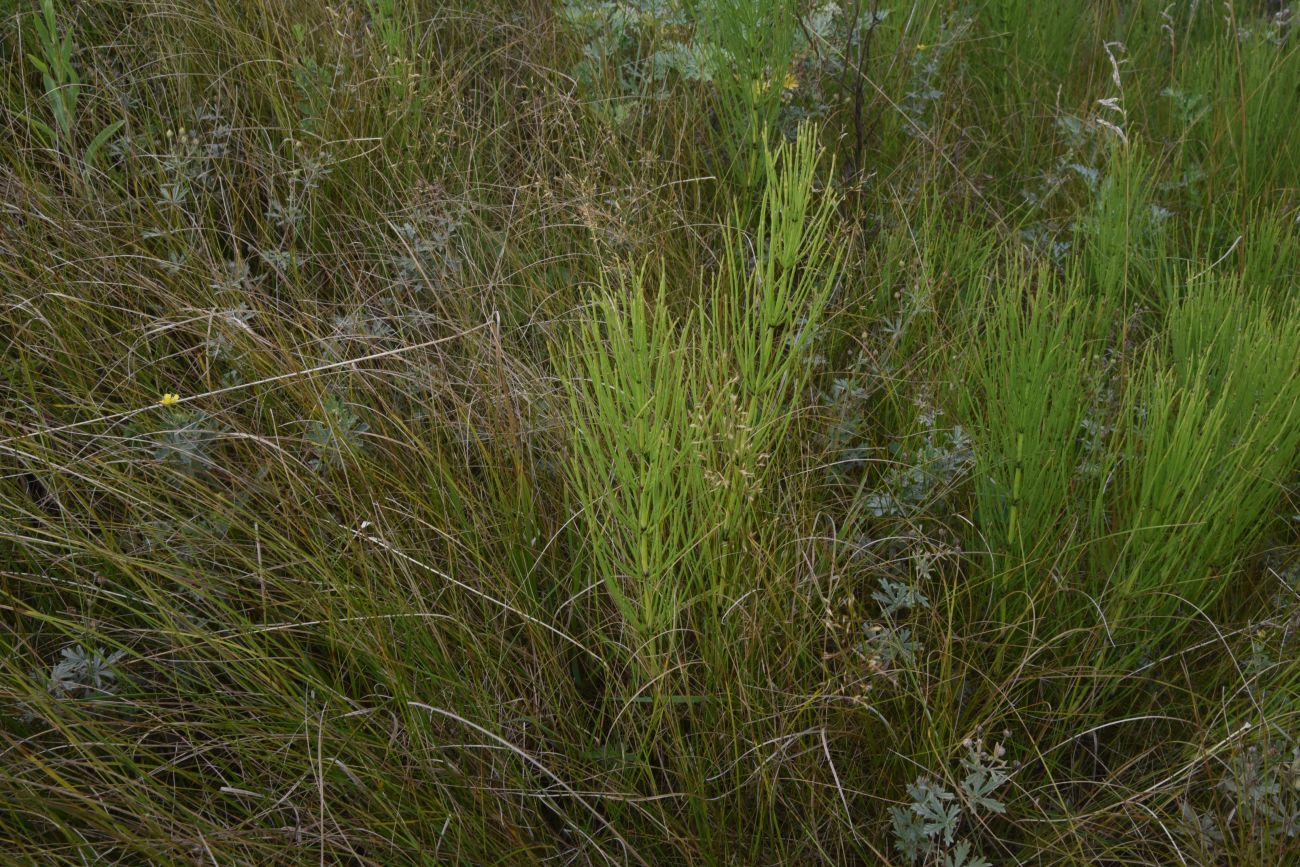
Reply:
x=1211, y=436
x=62, y=83
x=753, y=45
x=1026, y=393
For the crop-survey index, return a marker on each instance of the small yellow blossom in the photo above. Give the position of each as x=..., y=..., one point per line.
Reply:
x=789, y=83
x=170, y=399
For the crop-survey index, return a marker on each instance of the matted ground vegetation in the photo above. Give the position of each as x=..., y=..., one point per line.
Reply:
x=662, y=432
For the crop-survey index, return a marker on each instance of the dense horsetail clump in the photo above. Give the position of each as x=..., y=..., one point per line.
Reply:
x=765, y=432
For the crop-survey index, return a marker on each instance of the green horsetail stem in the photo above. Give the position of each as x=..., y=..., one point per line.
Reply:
x=1015, y=488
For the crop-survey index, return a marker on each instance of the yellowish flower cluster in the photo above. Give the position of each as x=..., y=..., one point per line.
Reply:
x=788, y=84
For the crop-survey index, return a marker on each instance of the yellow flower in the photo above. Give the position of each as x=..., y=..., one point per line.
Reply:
x=169, y=399
x=762, y=86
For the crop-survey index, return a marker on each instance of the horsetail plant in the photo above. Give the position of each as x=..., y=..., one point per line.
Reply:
x=675, y=421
